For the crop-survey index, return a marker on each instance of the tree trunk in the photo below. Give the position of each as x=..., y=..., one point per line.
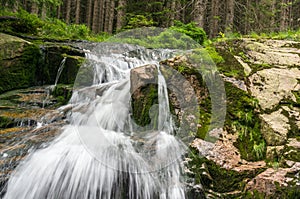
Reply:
x=229, y=15
x=247, y=17
x=101, y=15
x=95, y=16
x=89, y=13
x=77, y=12
x=199, y=12
x=111, y=16
x=68, y=11
x=273, y=15
x=120, y=14
x=58, y=12
x=177, y=11
x=283, y=16
x=107, y=14
x=172, y=14
x=34, y=8
x=214, y=18
x=44, y=11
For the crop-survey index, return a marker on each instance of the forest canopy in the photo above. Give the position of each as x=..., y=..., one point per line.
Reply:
x=214, y=16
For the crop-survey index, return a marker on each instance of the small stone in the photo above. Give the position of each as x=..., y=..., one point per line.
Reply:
x=289, y=163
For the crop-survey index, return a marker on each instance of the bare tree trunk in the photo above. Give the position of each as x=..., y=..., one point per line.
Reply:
x=283, y=16
x=95, y=16
x=101, y=15
x=178, y=11
x=214, y=18
x=199, y=12
x=247, y=17
x=58, y=12
x=229, y=16
x=89, y=13
x=120, y=14
x=106, y=15
x=77, y=12
x=44, y=11
x=172, y=14
x=290, y=11
x=34, y=8
x=111, y=16
x=68, y=11
x=273, y=15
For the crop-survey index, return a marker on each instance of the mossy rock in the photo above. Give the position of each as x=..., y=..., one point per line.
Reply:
x=215, y=178
x=18, y=63
x=54, y=54
x=230, y=66
x=242, y=118
x=62, y=93
x=6, y=122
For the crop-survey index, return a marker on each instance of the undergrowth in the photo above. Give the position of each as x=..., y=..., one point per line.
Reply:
x=26, y=24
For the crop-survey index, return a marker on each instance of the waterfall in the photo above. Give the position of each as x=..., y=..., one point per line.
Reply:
x=96, y=155
x=60, y=69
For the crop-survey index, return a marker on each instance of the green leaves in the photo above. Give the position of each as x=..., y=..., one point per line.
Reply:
x=190, y=29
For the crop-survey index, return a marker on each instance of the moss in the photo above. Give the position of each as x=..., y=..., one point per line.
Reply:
x=282, y=192
x=85, y=75
x=230, y=66
x=20, y=72
x=6, y=122
x=215, y=178
x=53, y=56
x=143, y=99
x=242, y=118
x=297, y=96
x=62, y=93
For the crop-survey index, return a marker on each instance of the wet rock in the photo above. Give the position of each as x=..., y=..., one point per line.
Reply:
x=143, y=76
x=34, y=123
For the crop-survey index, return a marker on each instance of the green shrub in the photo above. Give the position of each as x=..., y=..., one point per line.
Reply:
x=190, y=29
x=138, y=21
x=50, y=28
x=152, y=37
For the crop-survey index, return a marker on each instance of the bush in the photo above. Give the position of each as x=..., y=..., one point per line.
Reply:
x=138, y=21
x=190, y=29
x=51, y=28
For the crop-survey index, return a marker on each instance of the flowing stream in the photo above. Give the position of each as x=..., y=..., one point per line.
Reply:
x=102, y=153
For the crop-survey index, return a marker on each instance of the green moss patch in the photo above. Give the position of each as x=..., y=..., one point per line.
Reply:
x=20, y=72
x=243, y=119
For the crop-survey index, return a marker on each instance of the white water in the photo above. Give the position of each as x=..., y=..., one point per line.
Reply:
x=100, y=155
x=60, y=69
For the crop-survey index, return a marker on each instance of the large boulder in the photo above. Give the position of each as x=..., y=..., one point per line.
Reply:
x=24, y=64
x=18, y=62
x=270, y=86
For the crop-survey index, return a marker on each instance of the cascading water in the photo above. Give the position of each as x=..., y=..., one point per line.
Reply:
x=98, y=154
x=60, y=69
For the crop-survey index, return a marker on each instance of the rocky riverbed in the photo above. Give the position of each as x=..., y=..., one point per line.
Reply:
x=258, y=150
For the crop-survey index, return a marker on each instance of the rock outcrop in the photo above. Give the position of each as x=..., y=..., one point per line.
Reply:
x=24, y=64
